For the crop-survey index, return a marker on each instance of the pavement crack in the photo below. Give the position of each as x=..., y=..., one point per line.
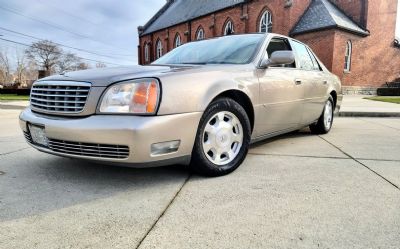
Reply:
x=302, y=156
x=383, y=125
x=163, y=212
x=11, y=152
x=362, y=164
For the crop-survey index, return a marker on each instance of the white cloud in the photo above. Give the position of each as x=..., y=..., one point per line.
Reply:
x=111, y=25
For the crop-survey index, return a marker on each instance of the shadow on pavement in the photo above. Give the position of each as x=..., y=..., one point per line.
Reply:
x=34, y=182
x=305, y=132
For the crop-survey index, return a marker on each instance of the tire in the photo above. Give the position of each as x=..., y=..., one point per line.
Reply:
x=222, y=139
x=325, y=121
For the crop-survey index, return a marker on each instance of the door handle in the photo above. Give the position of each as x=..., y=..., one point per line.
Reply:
x=297, y=81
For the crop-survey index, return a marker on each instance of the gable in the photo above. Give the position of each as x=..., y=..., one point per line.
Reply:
x=322, y=14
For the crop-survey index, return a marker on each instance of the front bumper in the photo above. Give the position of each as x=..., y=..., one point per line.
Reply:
x=136, y=132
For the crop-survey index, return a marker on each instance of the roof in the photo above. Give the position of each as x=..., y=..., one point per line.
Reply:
x=322, y=14
x=179, y=11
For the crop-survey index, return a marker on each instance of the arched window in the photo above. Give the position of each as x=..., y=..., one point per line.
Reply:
x=347, y=57
x=159, y=49
x=229, y=28
x=266, y=22
x=178, y=41
x=146, y=52
x=200, y=34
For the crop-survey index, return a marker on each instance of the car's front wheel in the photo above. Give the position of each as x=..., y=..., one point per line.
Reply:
x=222, y=139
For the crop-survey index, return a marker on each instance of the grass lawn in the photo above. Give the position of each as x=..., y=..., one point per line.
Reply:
x=13, y=97
x=395, y=100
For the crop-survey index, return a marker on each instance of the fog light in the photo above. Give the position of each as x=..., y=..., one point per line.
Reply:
x=165, y=147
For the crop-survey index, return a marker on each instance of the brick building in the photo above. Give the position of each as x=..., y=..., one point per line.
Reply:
x=354, y=38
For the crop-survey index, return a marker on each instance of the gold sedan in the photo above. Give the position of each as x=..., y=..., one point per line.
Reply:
x=200, y=105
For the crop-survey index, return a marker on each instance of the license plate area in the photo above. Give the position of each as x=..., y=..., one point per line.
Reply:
x=38, y=135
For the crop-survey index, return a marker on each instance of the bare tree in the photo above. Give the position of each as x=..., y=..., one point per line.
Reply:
x=68, y=62
x=100, y=65
x=20, y=71
x=5, y=69
x=82, y=66
x=45, y=53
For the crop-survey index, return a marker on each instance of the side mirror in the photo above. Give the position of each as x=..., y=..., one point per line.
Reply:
x=283, y=57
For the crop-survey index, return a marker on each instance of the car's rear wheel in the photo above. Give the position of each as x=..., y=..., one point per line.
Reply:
x=325, y=121
x=222, y=139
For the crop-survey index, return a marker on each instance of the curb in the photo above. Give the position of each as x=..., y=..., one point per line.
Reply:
x=370, y=114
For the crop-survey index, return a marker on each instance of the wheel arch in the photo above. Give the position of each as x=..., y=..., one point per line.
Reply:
x=333, y=93
x=243, y=99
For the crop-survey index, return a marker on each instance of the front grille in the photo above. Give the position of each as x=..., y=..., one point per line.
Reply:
x=88, y=149
x=59, y=97
x=85, y=149
x=28, y=137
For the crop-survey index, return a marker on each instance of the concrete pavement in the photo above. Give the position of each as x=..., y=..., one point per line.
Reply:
x=14, y=105
x=357, y=106
x=339, y=190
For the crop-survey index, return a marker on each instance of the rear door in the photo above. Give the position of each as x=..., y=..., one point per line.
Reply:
x=313, y=81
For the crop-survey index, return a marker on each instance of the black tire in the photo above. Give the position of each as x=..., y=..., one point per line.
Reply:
x=199, y=162
x=319, y=127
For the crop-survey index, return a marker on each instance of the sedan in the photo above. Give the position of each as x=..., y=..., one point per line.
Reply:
x=200, y=105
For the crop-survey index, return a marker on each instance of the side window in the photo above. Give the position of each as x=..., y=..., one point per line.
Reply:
x=278, y=44
x=303, y=56
x=314, y=60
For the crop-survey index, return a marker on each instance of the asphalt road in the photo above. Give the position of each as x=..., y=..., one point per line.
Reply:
x=339, y=190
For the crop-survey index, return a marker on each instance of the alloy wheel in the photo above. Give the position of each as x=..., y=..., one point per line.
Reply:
x=328, y=115
x=222, y=138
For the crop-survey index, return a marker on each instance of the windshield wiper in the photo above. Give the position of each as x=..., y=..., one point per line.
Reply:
x=193, y=63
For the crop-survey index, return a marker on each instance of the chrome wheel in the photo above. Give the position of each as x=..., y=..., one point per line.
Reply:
x=328, y=115
x=222, y=138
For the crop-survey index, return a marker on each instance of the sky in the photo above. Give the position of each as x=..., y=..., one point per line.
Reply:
x=108, y=28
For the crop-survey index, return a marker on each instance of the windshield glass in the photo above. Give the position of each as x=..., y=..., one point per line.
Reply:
x=236, y=49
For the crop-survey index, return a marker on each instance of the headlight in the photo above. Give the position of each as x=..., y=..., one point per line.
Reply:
x=136, y=96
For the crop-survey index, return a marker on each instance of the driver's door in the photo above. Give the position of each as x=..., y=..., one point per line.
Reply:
x=281, y=94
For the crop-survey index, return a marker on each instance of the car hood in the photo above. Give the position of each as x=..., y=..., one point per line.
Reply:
x=106, y=76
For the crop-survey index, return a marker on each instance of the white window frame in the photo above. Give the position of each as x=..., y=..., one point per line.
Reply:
x=266, y=22
x=146, y=52
x=200, y=34
x=159, y=49
x=228, y=25
x=178, y=40
x=347, y=56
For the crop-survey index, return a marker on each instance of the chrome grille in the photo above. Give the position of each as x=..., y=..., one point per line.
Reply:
x=28, y=137
x=88, y=149
x=59, y=97
x=85, y=149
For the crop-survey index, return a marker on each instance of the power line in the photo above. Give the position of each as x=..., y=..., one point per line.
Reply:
x=56, y=26
x=47, y=4
x=82, y=58
x=60, y=44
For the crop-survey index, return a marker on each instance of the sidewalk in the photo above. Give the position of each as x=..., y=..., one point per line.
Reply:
x=16, y=105
x=357, y=106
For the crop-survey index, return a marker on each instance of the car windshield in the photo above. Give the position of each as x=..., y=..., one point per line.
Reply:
x=236, y=49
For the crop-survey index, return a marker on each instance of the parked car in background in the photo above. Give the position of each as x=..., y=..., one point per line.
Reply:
x=200, y=105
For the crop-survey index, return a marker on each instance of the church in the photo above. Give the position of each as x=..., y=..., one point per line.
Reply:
x=355, y=39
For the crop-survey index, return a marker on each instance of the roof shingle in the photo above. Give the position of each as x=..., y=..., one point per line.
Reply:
x=179, y=11
x=322, y=14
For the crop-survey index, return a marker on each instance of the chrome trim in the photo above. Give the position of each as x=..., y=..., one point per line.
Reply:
x=85, y=149
x=57, y=97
